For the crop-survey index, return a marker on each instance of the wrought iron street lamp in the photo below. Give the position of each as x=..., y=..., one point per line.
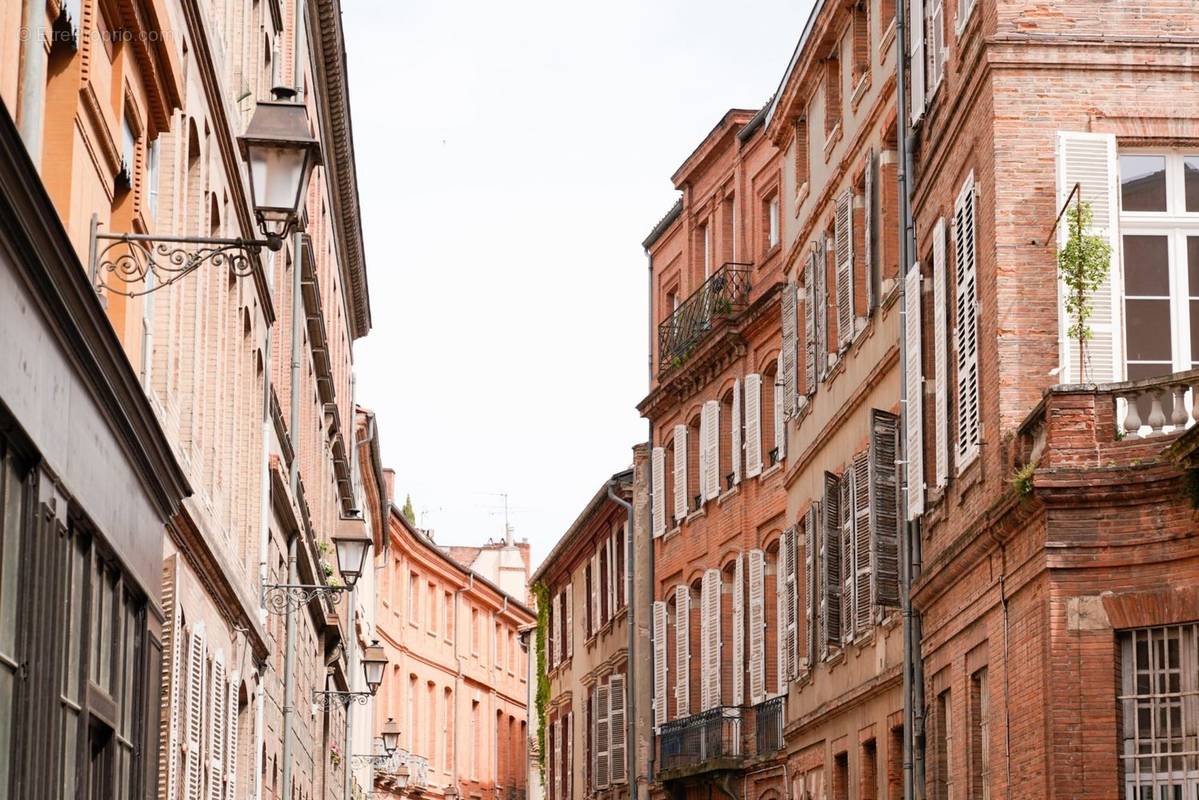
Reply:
x=391, y=735
x=281, y=152
x=391, y=742
x=374, y=666
x=351, y=550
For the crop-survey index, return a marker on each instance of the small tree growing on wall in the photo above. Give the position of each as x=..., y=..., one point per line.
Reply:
x=1083, y=265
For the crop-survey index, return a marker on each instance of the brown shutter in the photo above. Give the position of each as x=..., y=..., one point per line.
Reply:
x=830, y=566
x=884, y=509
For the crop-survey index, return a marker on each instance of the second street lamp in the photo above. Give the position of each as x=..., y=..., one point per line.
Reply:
x=391, y=735
x=374, y=667
x=351, y=555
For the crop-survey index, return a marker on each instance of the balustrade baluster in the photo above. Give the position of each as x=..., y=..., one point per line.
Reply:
x=1132, y=419
x=1157, y=417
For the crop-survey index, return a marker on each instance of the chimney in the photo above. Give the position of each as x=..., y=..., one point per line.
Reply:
x=389, y=477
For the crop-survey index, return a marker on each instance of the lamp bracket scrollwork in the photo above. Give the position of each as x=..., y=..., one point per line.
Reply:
x=283, y=598
x=134, y=264
x=326, y=700
x=379, y=760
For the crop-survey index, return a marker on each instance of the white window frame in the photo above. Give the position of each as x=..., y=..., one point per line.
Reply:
x=1176, y=224
x=965, y=10
x=772, y=215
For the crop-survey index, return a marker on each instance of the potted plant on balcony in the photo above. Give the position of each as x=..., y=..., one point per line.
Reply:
x=1083, y=264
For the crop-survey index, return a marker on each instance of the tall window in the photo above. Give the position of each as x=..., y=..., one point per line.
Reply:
x=413, y=598
x=447, y=721
x=432, y=609
x=412, y=713
x=980, y=737
x=832, y=92
x=841, y=776
x=868, y=781
x=943, y=780
x=1159, y=227
x=448, y=616
x=474, y=631
x=1159, y=691
x=801, y=152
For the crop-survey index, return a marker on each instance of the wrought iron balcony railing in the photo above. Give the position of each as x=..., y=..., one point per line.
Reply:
x=723, y=294
x=720, y=737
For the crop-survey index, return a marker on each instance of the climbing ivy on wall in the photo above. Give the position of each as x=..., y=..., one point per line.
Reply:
x=541, y=594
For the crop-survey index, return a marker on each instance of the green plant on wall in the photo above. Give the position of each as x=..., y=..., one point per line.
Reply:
x=542, y=595
x=1083, y=266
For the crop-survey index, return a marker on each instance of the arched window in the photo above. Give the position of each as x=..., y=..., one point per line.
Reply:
x=772, y=596
x=694, y=500
x=771, y=421
x=727, y=423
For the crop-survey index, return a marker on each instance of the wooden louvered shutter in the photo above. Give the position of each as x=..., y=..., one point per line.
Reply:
x=884, y=509
x=193, y=781
x=680, y=472
x=556, y=726
x=916, y=61
x=863, y=602
x=550, y=633
x=702, y=444
x=710, y=646
x=217, y=726
x=660, y=665
x=966, y=328
x=174, y=679
x=735, y=428
x=658, y=477
x=843, y=255
x=830, y=566
x=787, y=356
x=753, y=425
x=682, y=651
x=757, y=626
x=809, y=321
x=812, y=568
x=940, y=357
x=569, y=602
x=617, y=758
x=603, y=732
x=1089, y=159
x=820, y=268
x=596, y=622
x=780, y=417
x=848, y=587
x=738, y=671
x=787, y=619
x=869, y=272
x=231, y=708
x=711, y=443
x=914, y=421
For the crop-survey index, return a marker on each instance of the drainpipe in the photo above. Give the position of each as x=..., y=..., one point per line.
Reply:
x=495, y=646
x=289, y=661
x=297, y=66
x=351, y=668
x=31, y=113
x=913, y=672
x=630, y=669
x=264, y=536
x=649, y=572
x=458, y=678
x=297, y=333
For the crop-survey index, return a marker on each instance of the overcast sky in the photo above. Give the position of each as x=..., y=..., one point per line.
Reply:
x=511, y=158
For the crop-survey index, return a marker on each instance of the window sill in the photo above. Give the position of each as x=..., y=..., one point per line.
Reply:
x=859, y=91
x=773, y=468
x=888, y=37
x=670, y=534
x=831, y=140
x=728, y=494
x=696, y=514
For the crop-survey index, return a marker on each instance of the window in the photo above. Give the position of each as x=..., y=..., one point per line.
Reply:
x=861, y=44
x=128, y=151
x=980, y=737
x=841, y=776
x=1159, y=680
x=412, y=713
x=476, y=743
x=152, y=177
x=474, y=631
x=431, y=711
x=832, y=91
x=413, y=599
x=499, y=650
x=706, y=235
x=1159, y=240
x=935, y=50
x=868, y=783
x=963, y=15
x=772, y=222
x=943, y=744
x=588, y=619
x=801, y=153
x=618, y=548
x=447, y=618
x=432, y=609
x=447, y=720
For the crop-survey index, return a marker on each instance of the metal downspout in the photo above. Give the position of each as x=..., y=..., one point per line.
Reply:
x=913, y=673
x=495, y=647
x=458, y=677
x=630, y=668
x=264, y=536
x=649, y=576
x=289, y=660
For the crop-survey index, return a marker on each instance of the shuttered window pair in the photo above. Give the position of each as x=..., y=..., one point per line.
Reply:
x=609, y=714
x=788, y=607
x=927, y=52
x=851, y=541
x=210, y=726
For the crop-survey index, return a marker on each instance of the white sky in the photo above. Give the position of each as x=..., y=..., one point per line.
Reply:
x=511, y=158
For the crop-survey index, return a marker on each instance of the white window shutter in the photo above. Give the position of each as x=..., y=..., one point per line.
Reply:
x=830, y=566
x=176, y=674
x=788, y=627
x=231, y=752
x=787, y=356
x=702, y=444
x=682, y=651
x=217, y=726
x=596, y=623
x=863, y=601
x=570, y=621
x=602, y=737
x=843, y=255
x=848, y=586
x=736, y=431
x=1089, y=159
x=757, y=626
x=193, y=781
x=812, y=581
x=753, y=425
x=966, y=328
x=711, y=411
x=557, y=728
x=780, y=415
x=680, y=472
x=660, y=665
x=738, y=671
x=610, y=544
x=884, y=509
x=710, y=602
x=914, y=421
x=616, y=729
x=940, y=355
x=936, y=46
x=809, y=314
x=658, y=477
x=821, y=271
x=916, y=61
x=550, y=638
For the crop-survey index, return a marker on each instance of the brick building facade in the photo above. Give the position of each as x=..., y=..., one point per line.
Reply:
x=717, y=463
x=457, y=674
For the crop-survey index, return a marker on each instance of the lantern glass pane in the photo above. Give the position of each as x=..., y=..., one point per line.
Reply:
x=276, y=173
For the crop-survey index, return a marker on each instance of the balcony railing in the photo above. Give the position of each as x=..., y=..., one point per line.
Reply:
x=722, y=737
x=1156, y=406
x=725, y=293
x=406, y=769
